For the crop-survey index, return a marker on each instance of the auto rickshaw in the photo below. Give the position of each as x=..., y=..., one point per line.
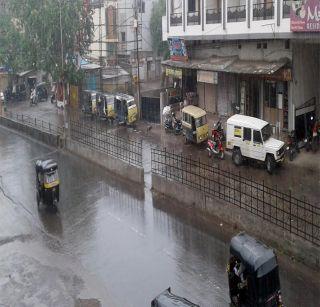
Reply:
x=47, y=179
x=41, y=91
x=167, y=299
x=105, y=106
x=194, y=124
x=253, y=273
x=126, y=109
x=89, y=102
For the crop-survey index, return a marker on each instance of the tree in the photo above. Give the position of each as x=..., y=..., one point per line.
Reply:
x=37, y=26
x=158, y=10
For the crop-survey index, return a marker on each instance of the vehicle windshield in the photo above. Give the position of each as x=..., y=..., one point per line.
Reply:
x=51, y=177
x=266, y=132
x=268, y=284
x=130, y=103
x=201, y=121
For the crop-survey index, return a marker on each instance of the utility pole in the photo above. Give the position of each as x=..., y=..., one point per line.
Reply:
x=136, y=26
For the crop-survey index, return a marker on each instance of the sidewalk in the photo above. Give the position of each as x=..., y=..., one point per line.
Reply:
x=301, y=176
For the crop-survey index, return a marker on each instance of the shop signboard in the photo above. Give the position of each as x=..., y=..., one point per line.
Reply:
x=178, y=51
x=207, y=76
x=305, y=16
x=174, y=72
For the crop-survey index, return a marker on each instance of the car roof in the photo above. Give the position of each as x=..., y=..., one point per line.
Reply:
x=247, y=121
x=47, y=165
x=256, y=256
x=194, y=111
x=124, y=96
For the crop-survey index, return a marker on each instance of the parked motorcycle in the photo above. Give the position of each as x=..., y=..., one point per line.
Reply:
x=215, y=147
x=172, y=124
x=315, y=136
x=33, y=98
x=293, y=145
x=217, y=131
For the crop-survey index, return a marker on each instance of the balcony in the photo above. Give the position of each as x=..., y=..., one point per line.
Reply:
x=263, y=11
x=236, y=13
x=176, y=19
x=286, y=8
x=193, y=18
x=213, y=16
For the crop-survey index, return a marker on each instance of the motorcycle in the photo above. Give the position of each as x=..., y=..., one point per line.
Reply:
x=315, y=136
x=293, y=145
x=217, y=131
x=172, y=124
x=215, y=147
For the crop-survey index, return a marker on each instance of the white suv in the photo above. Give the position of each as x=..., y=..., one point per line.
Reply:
x=250, y=137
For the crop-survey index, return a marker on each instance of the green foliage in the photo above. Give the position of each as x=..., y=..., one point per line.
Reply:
x=34, y=28
x=159, y=47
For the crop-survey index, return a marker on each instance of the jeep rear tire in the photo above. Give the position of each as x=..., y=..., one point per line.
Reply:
x=270, y=163
x=237, y=157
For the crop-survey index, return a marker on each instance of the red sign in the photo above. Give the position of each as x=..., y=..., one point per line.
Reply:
x=305, y=16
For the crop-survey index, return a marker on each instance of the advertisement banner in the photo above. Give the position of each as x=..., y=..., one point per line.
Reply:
x=207, y=76
x=178, y=51
x=174, y=73
x=305, y=16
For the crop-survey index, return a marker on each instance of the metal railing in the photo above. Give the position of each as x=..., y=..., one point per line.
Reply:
x=176, y=19
x=34, y=122
x=193, y=18
x=97, y=138
x=286, y=4
x=236, y=13
x=263, y=11
x=294, y=215
x=213, y=16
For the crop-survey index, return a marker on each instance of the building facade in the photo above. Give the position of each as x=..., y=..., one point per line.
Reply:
x=248, y=56
x=115, y=37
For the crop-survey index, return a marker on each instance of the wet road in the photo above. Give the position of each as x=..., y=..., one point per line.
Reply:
x=135, y=244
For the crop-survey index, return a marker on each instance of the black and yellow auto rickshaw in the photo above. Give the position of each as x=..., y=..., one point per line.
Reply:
x=253, y=273
x=168, y=299
x=126, y=109
x=105, y=106
x=194, y=124
x=89, y=102
x=41, y=91
x=47, y=179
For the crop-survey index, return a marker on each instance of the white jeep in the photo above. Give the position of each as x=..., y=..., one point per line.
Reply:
x=250, y=137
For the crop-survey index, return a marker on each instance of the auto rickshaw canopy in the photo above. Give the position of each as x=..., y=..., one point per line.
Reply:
x=257, y=257
x=194, y=111
x=167, y=299
x=46, y=166
x=125, y=97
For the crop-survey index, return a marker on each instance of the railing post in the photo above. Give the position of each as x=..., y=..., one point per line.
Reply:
x=290, y=209
x=249, y=13
x=240, y=190
x=49, y=127
x=224, y=13
x=278, y=11
x=35, y=122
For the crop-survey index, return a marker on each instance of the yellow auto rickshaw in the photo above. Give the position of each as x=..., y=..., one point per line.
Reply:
x=126, y=109
x=194, y=124
x=89, y=102
x=105, y=106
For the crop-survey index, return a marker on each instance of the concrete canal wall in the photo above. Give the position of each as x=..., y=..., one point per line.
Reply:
x=39, y=135
x=112, y=164
x=240, y=219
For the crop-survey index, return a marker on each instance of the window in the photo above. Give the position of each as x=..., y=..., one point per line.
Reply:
x=123, y=36
x=246, y=134
x=259, y=46
x=287, y=44
x=237, y=132
x=200, y=121
x=266, y=132
x=257, y=136
x=265, y=46
x=141, y=6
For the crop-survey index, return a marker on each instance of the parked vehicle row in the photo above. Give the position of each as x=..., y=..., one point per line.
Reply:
x=113, y=107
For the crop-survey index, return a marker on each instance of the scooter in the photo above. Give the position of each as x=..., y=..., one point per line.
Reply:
x=33, y=98
x=315, y=136
x=172, y=124
x=215, y=147
x=293, y=147
x=217, y=131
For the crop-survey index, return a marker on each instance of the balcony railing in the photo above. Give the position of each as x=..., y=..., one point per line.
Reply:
x=286, y=8
x=263, y=11
x=193, y=18
x=213, y=15
x=176, y=19
x=236, y=13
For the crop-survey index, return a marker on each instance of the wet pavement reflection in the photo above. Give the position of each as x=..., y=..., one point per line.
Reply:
x=137, y=243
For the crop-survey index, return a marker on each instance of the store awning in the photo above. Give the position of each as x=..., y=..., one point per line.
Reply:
x=230, y=65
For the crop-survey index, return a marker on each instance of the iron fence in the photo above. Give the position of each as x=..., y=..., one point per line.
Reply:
x=213, y=15
x=294, y=215
x=263, y=11
x=236, y=13
x=176, y=19
x=34, y=122
x=286, y=4
x=97, y=138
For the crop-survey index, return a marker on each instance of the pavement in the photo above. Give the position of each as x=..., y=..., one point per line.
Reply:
x=111, y=242
x=301, y=176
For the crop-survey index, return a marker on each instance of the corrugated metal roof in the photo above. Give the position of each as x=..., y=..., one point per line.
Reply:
x=230, y=64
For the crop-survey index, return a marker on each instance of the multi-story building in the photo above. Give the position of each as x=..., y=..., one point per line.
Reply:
x=115, y=37
x=256, y=57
